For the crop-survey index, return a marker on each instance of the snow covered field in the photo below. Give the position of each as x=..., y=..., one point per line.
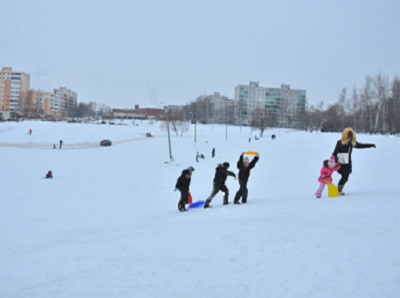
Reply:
x=107, y=225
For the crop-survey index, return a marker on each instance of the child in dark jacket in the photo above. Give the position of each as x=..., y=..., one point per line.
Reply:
x=328, y=167
x=221, y=173
x=244, y=172
x=182, y=184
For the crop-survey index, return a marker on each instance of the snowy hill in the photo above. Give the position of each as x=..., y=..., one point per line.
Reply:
x=107, y=225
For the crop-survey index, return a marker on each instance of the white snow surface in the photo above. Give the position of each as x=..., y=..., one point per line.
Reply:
x=107, y=224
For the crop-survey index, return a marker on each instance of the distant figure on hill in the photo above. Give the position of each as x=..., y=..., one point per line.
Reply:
x=61, y=142
x=199, y=156
x=49, y=174
x=273, y=137
x=213, y=153
x=30, y=131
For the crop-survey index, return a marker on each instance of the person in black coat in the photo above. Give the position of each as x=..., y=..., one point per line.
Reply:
x=244, y=172
x=221, y=173
x=182, y=184
x=342, y=153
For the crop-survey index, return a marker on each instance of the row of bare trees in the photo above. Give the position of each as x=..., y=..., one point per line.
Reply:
x=374, y=108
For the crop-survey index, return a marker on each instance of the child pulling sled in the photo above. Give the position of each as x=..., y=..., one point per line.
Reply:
x=328, y=167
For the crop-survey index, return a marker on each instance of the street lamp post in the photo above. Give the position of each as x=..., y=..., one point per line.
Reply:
x=226, y=122
x=226, y=130
x=169, y=136
x=195, y=129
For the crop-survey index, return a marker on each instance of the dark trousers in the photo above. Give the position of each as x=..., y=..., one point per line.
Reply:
x=184, y=197
x=345, y=172
x=216, y=189
x=242, y=192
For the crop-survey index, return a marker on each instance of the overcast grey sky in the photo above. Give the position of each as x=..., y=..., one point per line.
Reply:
x=127, y=52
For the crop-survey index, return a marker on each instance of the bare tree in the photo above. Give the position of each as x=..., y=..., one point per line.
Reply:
x=103, y=109
x=262, y=118
x=354, y=109
x=366, y=97
x=394, y=107
x=381, y=85
x=340, y=107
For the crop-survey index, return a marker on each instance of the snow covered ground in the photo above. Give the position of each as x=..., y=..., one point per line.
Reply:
x=107, y=225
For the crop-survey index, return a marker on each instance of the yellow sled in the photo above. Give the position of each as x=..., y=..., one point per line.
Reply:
x=251, y=152
x=333, y=191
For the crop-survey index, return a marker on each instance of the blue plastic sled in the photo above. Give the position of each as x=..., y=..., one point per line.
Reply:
x=196, y=204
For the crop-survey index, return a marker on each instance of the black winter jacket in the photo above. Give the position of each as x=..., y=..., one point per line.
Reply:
x=346, y=150
x=244, y=172
x=183, y=181
x=221, y=173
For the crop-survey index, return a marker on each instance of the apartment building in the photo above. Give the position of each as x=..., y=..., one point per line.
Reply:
x=217, y=108
x=14, y=88
x=68, y=100
x=283, y=103
x=43, y=103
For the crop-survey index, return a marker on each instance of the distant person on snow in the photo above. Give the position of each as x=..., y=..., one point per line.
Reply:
x=342, y=153
x=49, y=174
x=61, y=142
x=182, y=184
x=328, y=167
x=213, y=153
x=221, y=173
x=244, y=167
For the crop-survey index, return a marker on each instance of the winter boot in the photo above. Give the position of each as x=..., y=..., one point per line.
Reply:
x=181, y=206
x=340, y=188
x=236, y=202
x=207, y=204
x=226, y=201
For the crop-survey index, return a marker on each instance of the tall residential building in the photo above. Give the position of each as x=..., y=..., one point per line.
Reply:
x=44, y=103
x=14, y=87
x=69, y=100
x=218, y=108
x=283, y=103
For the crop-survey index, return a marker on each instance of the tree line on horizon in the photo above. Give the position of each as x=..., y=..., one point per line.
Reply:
x=374, y=108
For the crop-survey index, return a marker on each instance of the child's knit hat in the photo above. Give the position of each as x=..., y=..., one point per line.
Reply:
x=332, y=162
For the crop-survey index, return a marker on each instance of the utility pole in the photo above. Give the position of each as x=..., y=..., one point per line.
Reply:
x=195, y=128
x=169, y=136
